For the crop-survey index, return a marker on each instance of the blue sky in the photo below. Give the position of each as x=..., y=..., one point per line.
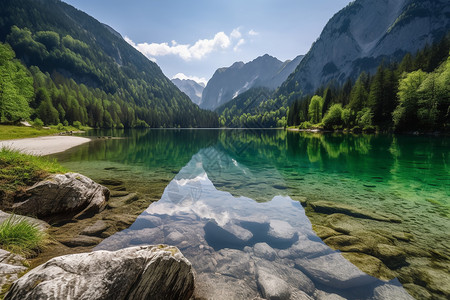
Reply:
x=196, y=37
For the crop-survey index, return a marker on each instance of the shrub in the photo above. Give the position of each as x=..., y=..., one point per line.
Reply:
x=38, y=123
x=77, y=125
x=20, y=236
x=333, y=117
x=305, y=125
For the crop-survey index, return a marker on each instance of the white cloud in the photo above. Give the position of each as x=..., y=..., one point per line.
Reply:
x=241, y=42
x=201, y=80
x=236, y=34
x=253, y=33
x=187, y=52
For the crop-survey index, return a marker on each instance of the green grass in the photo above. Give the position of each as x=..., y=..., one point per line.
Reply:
x=20, y=236
x=19, y=170
x=10, y=132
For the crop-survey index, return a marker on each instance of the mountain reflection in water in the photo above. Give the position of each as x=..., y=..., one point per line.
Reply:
x=241, y=248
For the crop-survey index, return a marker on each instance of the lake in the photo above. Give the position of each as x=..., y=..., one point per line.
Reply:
x=235, y=202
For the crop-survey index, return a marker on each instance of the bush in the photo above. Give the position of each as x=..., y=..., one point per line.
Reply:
x=333, y=117
x=20, y=236
x=38, y=123
x=305, y=125
x=60, y=127
x=77, y=125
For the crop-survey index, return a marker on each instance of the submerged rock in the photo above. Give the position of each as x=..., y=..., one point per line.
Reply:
x=335, y=207
x=263, y=250
x=370, y=265
x=148, y=272
x=334, y=271
x=272, y=287
x=69, y=193
x=388, y=291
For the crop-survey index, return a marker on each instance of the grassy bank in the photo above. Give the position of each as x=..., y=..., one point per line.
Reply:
x=10, y=132
x=18, y=171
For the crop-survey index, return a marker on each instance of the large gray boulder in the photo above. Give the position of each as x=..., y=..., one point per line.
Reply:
x=69, y=193
x=147, y=272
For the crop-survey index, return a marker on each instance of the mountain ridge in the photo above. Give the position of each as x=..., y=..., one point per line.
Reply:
x=229, y=82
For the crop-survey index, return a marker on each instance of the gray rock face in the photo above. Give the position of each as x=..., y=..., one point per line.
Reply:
x=11, y=265
x=191, y=88
x=64, y=193
x=357, y=38
x=334, y=271
x=147, y=272
x=228, y=83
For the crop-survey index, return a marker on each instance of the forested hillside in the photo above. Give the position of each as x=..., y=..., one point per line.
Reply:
x=70, y=68
x=412, y=95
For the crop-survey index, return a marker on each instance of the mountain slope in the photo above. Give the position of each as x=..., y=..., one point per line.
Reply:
x=227, y=83
x=191, y=88
x=363, y=34
x=64, y=41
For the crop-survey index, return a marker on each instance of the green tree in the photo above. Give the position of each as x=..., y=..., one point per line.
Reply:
x=16, y=87
x=333, y=117
x=405, y=115
x=359, y=94
x=315, y=109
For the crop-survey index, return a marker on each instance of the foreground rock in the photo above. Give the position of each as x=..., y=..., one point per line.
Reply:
x=69, y=193
x=11, y=266
x=147, y=272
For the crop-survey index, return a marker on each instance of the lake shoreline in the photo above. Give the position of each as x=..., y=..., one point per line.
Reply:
x=44, y=145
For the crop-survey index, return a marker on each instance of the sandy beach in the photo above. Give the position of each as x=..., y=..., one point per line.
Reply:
x=44, y=145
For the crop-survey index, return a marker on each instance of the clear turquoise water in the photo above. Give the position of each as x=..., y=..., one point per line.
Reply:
x=229, y=177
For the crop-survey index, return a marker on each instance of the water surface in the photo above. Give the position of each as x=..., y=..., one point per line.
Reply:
x=228, y=198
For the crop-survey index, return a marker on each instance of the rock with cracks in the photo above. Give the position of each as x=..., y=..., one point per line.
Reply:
x=147, y=272
x=69, y=193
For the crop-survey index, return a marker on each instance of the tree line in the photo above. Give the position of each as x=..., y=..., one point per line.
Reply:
x=413, y=95
x=30, y=93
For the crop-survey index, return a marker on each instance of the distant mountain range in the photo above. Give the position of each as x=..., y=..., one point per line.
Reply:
x=227, y=83
x=363, y=34
x=191, y=88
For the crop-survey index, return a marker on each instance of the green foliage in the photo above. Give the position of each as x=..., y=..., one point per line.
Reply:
x=398, y=98
x=77, y=124
x=315, y=109
x=333, y=117
x=38, y=123
x=19, y=170
x=90, y=73
x=405, y=115
x=16, y=87
x=20, y=236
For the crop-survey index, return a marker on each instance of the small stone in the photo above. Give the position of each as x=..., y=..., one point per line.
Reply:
x=369, y=265
x=96, y=229
x=324, y=232
x=321, y=295
x=392, y=256
x=281, y=230
x=334, y=271
x=388, y=291
x=263, y=250
x=81, y=241
x=272, y=287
